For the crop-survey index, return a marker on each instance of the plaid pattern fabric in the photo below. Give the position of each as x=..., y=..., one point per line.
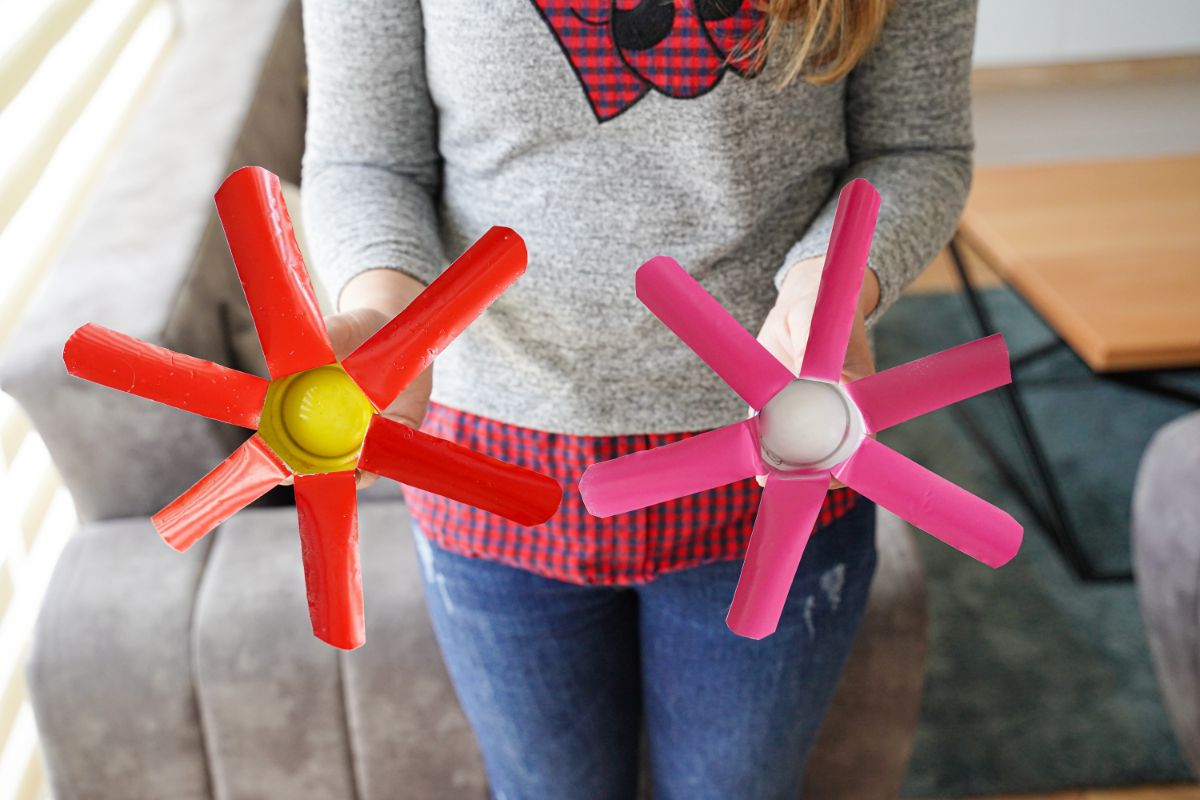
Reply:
x=581, y=27
x=684, y=63
x=735, y=28
x=621, y=49
x=574, y=546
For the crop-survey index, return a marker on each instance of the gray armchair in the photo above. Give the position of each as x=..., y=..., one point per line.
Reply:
x=159, y=675
x=1166, y=561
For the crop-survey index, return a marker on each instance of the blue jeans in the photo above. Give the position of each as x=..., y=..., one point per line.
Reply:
x=559, y=681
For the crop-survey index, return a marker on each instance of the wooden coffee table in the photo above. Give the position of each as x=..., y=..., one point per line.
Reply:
x=1108, y=254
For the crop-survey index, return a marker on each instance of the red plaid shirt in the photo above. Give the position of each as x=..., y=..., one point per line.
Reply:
x=573, y=545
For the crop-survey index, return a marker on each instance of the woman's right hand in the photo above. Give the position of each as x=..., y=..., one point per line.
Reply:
x=371, y=300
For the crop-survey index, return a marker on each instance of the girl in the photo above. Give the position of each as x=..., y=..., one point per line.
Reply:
x=606, y=132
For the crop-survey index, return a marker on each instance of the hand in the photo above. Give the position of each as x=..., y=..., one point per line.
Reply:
x=786, y=330
x=369, y=301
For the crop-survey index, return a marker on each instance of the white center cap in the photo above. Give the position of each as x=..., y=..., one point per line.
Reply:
x=809, y=425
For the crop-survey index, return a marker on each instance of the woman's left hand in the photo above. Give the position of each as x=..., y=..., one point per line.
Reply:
x=786, y=331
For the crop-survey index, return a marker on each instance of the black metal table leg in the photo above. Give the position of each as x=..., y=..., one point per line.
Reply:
x=1052, y=512
x=1145, y=383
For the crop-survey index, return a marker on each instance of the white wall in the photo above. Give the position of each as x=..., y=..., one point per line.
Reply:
x=1016, y=32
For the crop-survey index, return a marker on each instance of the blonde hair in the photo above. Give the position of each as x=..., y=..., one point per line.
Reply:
x=819, y=41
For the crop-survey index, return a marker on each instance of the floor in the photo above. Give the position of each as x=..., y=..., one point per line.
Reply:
x=1140, y=793
x=1137, y=117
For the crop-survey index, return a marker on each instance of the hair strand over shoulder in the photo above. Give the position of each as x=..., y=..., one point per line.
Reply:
x=819, y=41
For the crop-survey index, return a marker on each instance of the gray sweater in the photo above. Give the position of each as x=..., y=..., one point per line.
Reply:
x=604, y=142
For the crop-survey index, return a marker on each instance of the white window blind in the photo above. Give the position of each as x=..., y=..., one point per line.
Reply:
x=72, y=73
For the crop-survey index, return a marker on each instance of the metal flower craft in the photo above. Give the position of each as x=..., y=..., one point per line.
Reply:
x=317, y=419
x=809, y=428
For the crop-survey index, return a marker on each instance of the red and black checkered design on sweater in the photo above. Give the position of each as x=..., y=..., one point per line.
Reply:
x=683, y=63
x=582, y=30
x=573, y=545
x=621, y=49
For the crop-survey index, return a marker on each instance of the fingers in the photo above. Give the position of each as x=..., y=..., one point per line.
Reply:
x=348, y=329
x=774, y=339
x=860, y=362
x=409, y=408
x=797, y=323
x=411, y=405
x=788, y=328
x=785, y=334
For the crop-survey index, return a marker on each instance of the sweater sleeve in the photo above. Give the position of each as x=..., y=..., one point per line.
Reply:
x=908, y=131
x=371, y=170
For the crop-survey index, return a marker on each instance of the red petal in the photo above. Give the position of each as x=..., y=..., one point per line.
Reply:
x=401, y=350
x=436, y=465
x=250, y=472
x=122, y=362
x=328, y=512
x=290, y=327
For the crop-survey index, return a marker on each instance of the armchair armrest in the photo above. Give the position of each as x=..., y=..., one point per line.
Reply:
x=148, y=257
x=1166, y=566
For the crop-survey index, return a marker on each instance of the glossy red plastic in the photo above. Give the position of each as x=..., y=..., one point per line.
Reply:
x=281, y=298
x=436, y=465
x=327, y=508
x=246, y=475
x=292, y=332
x=122, y=362
x=403, y=348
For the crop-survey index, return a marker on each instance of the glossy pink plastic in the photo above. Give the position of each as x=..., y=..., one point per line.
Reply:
x=676, y=298
x=841, y=281
x=793, y=496
x=122, y=362
x=436, y=465
x=246, y=475
x=910, y=390
x=638, y=480
x=932, y=503
x=405, y=347
x=786, y=516
x=290, y=327
x=327, y=510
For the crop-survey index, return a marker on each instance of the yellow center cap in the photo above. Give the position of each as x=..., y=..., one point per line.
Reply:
x=316, y=420
x=325, y=413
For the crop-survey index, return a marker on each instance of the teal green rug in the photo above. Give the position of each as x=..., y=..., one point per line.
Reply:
x=1036, y=682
